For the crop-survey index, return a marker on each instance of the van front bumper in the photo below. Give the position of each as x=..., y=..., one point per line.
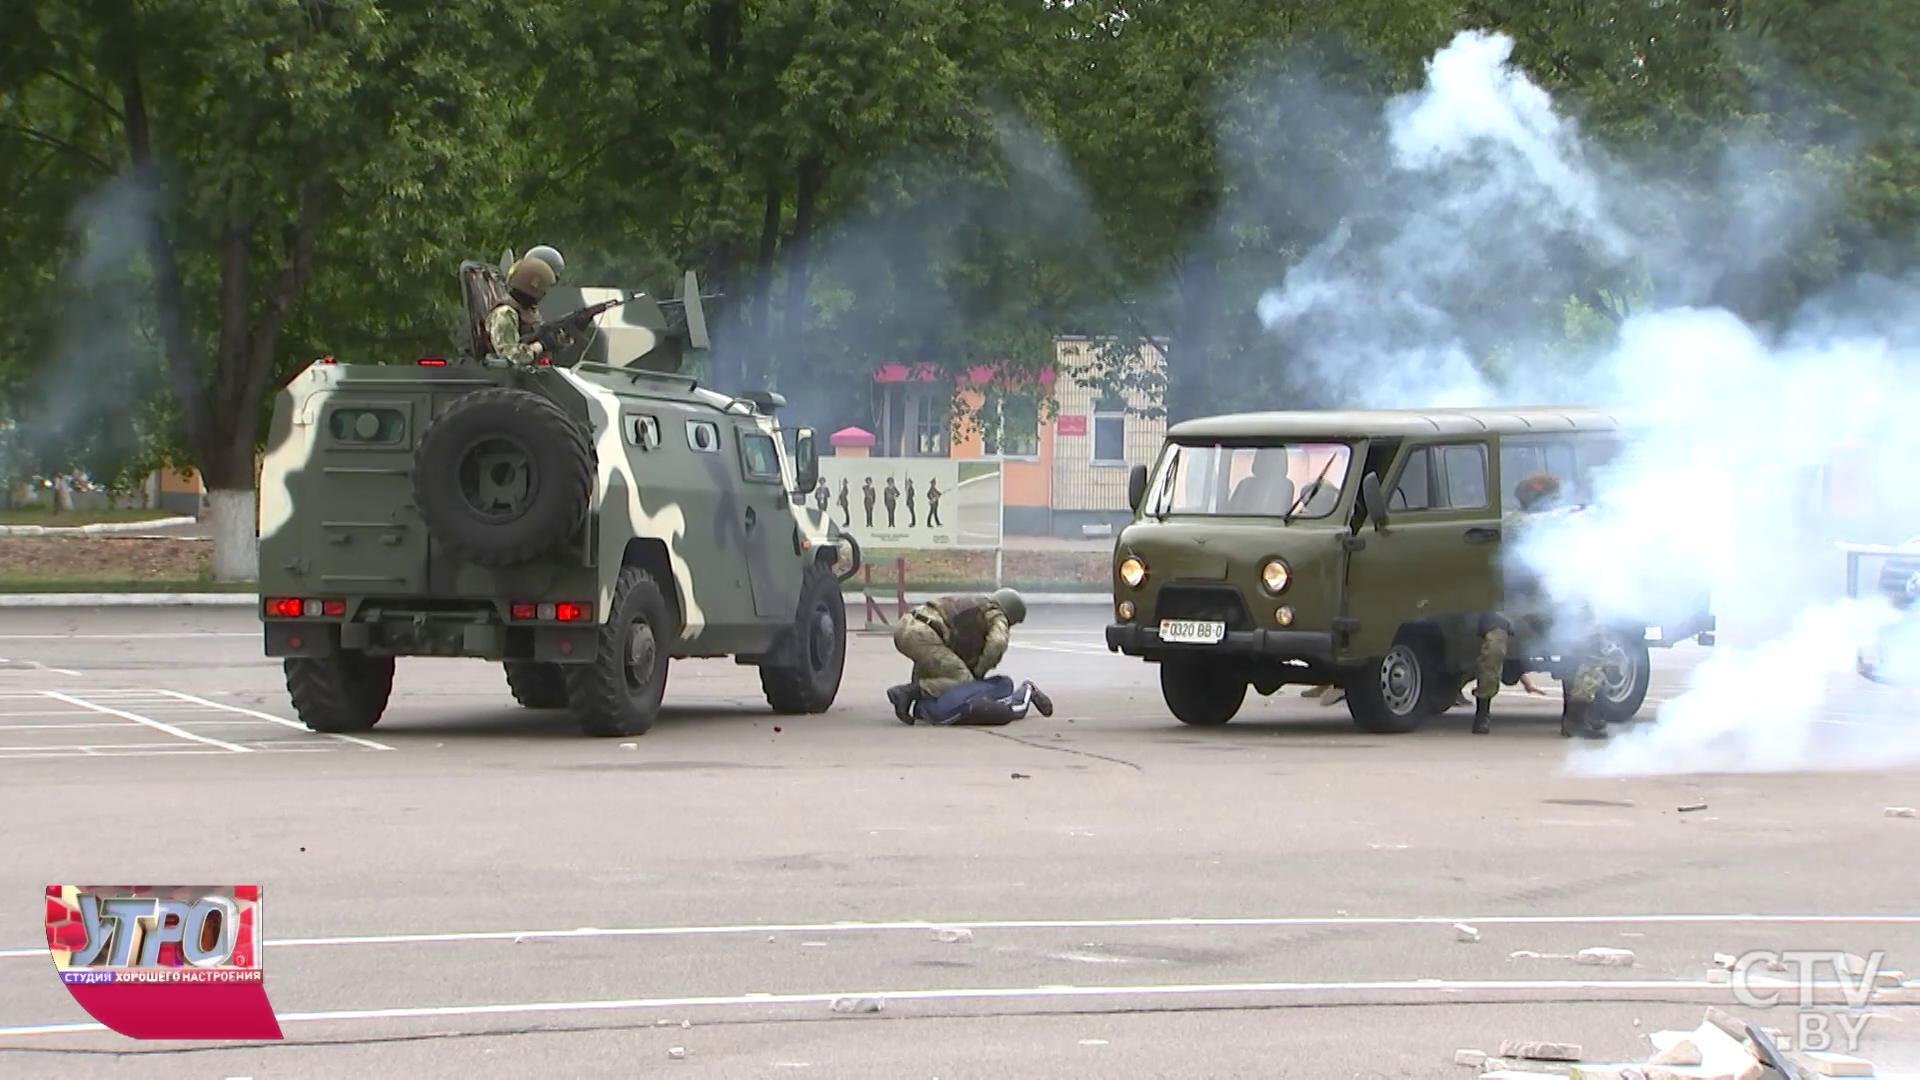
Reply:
x=1144, y=641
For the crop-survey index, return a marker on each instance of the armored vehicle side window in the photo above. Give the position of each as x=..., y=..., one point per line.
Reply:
x=759, y=459
x=704, y=436
x=367, y=425
x=1466, y=476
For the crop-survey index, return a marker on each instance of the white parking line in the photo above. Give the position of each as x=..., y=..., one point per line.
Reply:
x=154, y=724
x=1298, y=989
x=1200, y=923
x=129, y=637
x=270, y=718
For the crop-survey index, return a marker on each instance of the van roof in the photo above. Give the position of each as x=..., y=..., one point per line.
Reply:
x=1371, y=423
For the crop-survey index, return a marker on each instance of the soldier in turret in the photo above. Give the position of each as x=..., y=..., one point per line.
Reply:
x=527, y=284
x=1537, y=495
x=954, y=642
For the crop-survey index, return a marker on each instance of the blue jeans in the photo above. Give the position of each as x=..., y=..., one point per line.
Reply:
x=947, y=708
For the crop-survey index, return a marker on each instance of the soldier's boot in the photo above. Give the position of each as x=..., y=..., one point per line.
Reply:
x=1566, y=717
x=902, y=697
x=1038, y=698
x=1583, y=721
x=1482, y=716
x=986, y=712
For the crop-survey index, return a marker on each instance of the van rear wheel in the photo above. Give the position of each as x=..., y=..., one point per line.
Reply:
x=1396, y=693
x=1625, y=676
x=1202, y=691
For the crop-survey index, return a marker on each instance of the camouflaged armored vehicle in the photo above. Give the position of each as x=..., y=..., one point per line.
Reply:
x=1893, y=575
x=581, y=522
x=1353, y=549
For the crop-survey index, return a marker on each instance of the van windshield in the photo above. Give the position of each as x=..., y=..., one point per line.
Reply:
x=1258, y=481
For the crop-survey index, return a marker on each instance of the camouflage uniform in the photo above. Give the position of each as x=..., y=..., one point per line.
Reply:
x=527, y=284
x=1535, y=495
x=954, y=642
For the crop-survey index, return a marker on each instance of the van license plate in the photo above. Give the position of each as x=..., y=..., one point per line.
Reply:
x=1186, y=632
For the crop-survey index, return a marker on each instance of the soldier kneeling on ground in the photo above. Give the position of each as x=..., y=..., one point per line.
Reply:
x=954, y=642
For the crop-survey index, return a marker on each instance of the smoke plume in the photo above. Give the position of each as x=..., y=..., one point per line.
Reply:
x=1732, y=427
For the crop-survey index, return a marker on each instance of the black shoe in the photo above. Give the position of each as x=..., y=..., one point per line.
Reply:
x=1582, y=722
x=986, y=712
x=902, y=699
x=1038, y=698
x=1482, y=717
x=1566, y=718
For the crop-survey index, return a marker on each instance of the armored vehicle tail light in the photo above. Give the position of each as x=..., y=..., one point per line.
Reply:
x=288, y=607
x=1274, y=576
x=432, y=361
x=552, y=612
x=1133, y=572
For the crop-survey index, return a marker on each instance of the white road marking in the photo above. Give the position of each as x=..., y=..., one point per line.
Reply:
x=138, y=719
x=976, y=994
x=269, y=717
x=1071, y=924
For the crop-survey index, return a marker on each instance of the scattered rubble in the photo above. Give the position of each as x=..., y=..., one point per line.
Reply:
x=857, y=1005
x=1723, y=1047
x=677, y=1053
x=1463, y=932
x=1691, y=807
x=1725, y=960
x=1606, y=956
x=1902, y=811
x=952, y=934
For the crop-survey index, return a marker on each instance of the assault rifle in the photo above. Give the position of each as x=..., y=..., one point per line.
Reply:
x=547, y=335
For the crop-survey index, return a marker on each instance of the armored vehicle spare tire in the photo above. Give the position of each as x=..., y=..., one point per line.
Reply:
x=503, y=477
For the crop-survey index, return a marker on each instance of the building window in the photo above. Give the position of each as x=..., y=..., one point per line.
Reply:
x=1109, y=431
x=1009, y=424
x=932, y=414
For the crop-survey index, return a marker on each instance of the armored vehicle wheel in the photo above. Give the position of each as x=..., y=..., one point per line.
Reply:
x=1201, y=690
x=537, y=685
x=1396, y=693
x=1625, y=678
x=503, y=476
x=619, y=692
x=346, y=691
x=819, y=646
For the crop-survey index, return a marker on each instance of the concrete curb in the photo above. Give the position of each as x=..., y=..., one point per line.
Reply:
x=95, y=530
x=79, y=600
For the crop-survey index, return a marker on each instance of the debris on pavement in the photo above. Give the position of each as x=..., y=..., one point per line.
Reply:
x=1691, y=807
x=1021, y=776
x=1464, y=932
x=1902, y=811
x=952, y=934
x=1540, y=1051
x=857, y=1005
x=629, y=746
x=1605, y=956
x=1723, y=1047
x=677, y=1052
x=1725, y=960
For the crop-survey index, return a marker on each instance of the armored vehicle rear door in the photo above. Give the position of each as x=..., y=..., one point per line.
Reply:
x=362, y=534
x=1433, y=561
x=766, y=519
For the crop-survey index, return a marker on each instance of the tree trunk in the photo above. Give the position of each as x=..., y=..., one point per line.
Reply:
x=799, y=248
x=1190, y=383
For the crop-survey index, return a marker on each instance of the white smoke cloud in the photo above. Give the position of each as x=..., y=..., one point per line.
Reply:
x=1730, y=425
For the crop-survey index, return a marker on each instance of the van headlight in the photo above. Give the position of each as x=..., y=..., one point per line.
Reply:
x=1274, y=576
x=1133, y=572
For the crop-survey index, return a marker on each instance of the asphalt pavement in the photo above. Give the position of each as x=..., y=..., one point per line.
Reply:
x=473, y=889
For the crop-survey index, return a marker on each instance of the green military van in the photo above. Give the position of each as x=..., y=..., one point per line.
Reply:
x=1352, y=548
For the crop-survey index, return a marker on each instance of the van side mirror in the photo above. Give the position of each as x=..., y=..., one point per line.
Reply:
x=1372, y=502
x=806, y=462
x=1136, y=487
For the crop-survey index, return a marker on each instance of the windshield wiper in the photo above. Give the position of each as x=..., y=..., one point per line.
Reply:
x=1287, y=518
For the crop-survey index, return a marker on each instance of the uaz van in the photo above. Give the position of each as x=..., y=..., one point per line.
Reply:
x=1355, y=549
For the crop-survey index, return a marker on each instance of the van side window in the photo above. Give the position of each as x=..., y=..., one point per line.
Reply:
x=1516, y=464
x=1466, y=476
x=1411, y=493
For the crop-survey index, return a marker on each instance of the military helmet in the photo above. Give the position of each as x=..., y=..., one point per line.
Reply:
x=532, y=276
x=1536, y=489
x=1010, y=602
x=549, y=256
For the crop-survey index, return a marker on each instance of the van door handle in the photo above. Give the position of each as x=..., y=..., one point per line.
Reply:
x=750, y=517
x=1482, y=536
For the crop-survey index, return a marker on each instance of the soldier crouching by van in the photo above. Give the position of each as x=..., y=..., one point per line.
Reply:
x=954, y=642
x=1537, y=495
